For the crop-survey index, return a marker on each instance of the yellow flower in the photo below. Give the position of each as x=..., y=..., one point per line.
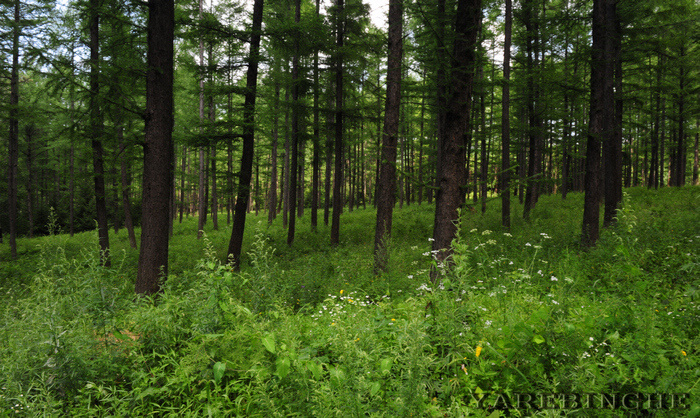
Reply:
x=684, y=353
x=478, y=351
x=393, y=319
x=341, y=291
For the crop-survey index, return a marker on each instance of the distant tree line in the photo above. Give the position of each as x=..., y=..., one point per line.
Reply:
x=303, y=109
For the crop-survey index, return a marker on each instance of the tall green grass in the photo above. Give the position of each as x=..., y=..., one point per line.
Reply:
x=308, y=330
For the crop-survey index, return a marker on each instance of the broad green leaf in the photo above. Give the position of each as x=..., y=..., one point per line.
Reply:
x=283, y=366
x=374, y=388
x=315, y=369
x=219, y=370
x=538, y=339
x=385, y=365
x=269, y=342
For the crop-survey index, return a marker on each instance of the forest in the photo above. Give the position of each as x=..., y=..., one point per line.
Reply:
x=254, y=208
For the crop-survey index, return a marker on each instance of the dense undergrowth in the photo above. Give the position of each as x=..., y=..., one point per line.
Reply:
x=309, y=331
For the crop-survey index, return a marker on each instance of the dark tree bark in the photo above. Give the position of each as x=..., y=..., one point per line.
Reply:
x=328, y=172
x=612, y=146
x=182, y=183
x=441, y=94
x=453, y=175
x=338, y=169
x=653, y=176
x=316, y=160
x=13, y=151
x=29, y=157
x=505, y=120
x=601, y=115
x=534, y=167
x=236, y=243
x=285, y=168
x=158, y=148
x=201, y=195
x=214, y=195
x=96, y=133
x=295, y=131
x=678, y=164
x=272, y=199
x=386, y=183
x=125, y=187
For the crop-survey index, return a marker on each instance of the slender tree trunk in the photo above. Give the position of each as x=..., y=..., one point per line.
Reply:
x=505, y=120
x=386, y=184
x=453, y=175
x=236, y=242
x=272, y=199
x=316, y=175
x=126, y=201
x=158, y=148
x=14, y=133
x=182, y=182
x=338, y=180
x=29, y=136
x=680, y=163
x=201, y=195
x=612, y=145
x=287, y=159
x=329, y=160
x=534, y=170
x=602, y=113
x=295, y=130
x=653, y=177
x=96, y=132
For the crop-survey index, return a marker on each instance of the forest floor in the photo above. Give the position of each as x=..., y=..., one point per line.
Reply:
x=525, y=323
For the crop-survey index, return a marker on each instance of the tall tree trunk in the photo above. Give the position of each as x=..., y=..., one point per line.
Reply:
x=534, y=168
x=295, y=130
x=680, y=153
x=653, y=177
x=287, y=160
x=96, y=133
x=236, y=243
x=696, y=180
x=338, y=169
x=612, y=145
x=505, y=120
x=328, y=171
x=214, y=195
x=158, y=148
x=14, y=133
x=315, y=162
x=125, y=187
x=601, y=115
x=453, y=175
x=29, y=136
x=272, y=199
x=182, y=182
x=201, y=195
x=386, y=184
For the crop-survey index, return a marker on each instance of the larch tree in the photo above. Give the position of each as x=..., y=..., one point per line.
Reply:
x=386, y=183
x=246, y=172
x=338, y=142
x=97, y=132
x=157, y=148
x=601, y=119
x=452, y=153
x=294, y=157
x=505, y=119
x=14, y=131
